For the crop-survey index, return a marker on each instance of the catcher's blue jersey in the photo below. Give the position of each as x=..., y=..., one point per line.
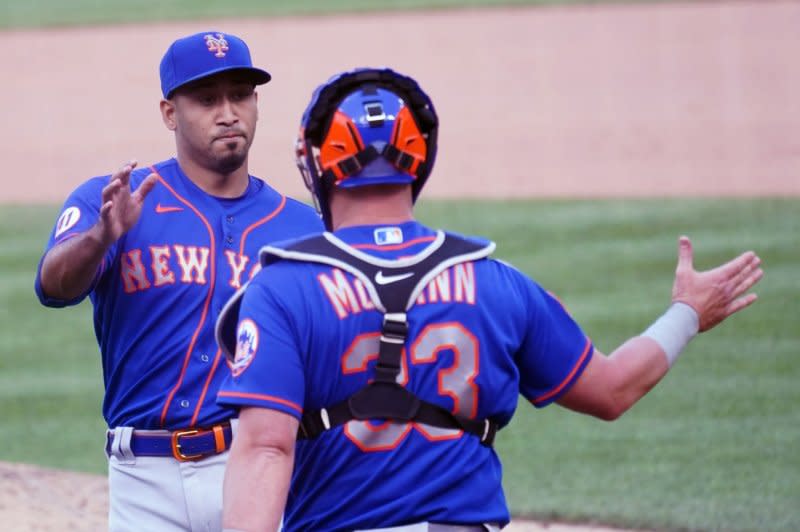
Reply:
x=161, y=286
x=480, y=334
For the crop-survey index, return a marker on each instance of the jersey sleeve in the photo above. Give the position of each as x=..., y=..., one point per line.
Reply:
x=267, y=371
x=554, y=351
x=79, y=213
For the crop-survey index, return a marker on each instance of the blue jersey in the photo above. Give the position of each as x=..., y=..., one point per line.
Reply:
x=480, y=334
x=161, y=286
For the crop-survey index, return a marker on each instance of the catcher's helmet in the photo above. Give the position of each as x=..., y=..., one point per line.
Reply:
x=368, y=126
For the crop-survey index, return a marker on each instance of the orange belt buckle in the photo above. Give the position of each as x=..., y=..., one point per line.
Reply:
x=219, y=439
x=176, y=447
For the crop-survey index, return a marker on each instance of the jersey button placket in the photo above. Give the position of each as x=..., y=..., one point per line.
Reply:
x=229, y=240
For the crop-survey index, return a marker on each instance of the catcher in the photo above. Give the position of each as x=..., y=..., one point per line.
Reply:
x=394, y=352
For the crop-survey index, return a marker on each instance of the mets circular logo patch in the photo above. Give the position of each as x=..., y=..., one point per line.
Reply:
x=246, y=346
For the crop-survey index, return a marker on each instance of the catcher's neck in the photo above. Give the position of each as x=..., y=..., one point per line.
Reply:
x=375, y=205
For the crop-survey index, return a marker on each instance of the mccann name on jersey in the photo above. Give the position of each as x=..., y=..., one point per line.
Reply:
x=348, y=296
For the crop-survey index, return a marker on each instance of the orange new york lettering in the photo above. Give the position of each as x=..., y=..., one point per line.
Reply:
x=161, y=272
x=132, y=271
x=193, y=264
x=237, y=263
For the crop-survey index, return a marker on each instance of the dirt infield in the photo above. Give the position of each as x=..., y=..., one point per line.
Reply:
x=614, y=101
x=33, y=499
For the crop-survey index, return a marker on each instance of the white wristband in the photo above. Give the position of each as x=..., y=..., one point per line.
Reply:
x=673, y=330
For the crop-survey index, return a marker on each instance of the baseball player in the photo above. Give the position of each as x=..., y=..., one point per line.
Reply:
x=158, y=250
x=394, y=352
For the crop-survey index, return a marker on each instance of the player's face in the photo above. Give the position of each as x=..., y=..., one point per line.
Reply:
x=215, y=121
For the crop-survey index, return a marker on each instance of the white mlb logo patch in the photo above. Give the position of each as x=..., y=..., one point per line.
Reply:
x=388, y=235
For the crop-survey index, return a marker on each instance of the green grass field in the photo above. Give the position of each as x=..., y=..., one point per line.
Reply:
x=36, y=13
x=713, y=447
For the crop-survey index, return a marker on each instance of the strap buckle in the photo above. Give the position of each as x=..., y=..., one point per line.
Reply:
x=395, y=327
x=394, y=332
x=176, y=447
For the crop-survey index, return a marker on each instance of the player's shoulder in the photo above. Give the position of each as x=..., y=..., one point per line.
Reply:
x=291, y=206
x=305, y=212
x=475, y=239
x=506, y=268
x=288, y=243
x=166, y=168
x=137, y=175
x=291, y=262
x=295, y=204
x=499, y=268
x=284, y=279
x=503, y=273
x=89, y=191
x=93, y=185
x=267, y=191
x=279, y=250
x=490, y=261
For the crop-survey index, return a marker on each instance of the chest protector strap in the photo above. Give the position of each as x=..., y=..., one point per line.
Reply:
x=393, y=286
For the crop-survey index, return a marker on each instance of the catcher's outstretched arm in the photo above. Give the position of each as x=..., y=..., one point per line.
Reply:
x=610, y=385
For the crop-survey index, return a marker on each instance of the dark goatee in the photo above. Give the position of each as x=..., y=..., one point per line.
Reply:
x=230, y=163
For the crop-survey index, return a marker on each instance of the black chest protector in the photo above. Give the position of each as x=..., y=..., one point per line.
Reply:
x=393, y=286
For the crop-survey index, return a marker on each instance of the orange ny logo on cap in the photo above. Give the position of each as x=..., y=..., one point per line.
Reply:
x=217, y=44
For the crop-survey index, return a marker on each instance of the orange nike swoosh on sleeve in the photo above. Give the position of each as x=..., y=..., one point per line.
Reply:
x=161, y=209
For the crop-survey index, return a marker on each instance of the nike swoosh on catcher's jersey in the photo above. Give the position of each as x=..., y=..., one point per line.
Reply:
x=388, y=279
x=160, y=209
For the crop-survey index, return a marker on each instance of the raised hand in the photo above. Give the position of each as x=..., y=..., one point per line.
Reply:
x=122, y=207
x=718, y=293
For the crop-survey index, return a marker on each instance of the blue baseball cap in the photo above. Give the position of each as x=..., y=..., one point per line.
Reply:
x=205, y=54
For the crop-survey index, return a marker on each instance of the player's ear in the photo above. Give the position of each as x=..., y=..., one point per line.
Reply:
x=168, y=114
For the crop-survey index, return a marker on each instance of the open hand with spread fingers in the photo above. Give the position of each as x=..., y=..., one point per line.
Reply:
x=715, y=294
x=122, y=207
